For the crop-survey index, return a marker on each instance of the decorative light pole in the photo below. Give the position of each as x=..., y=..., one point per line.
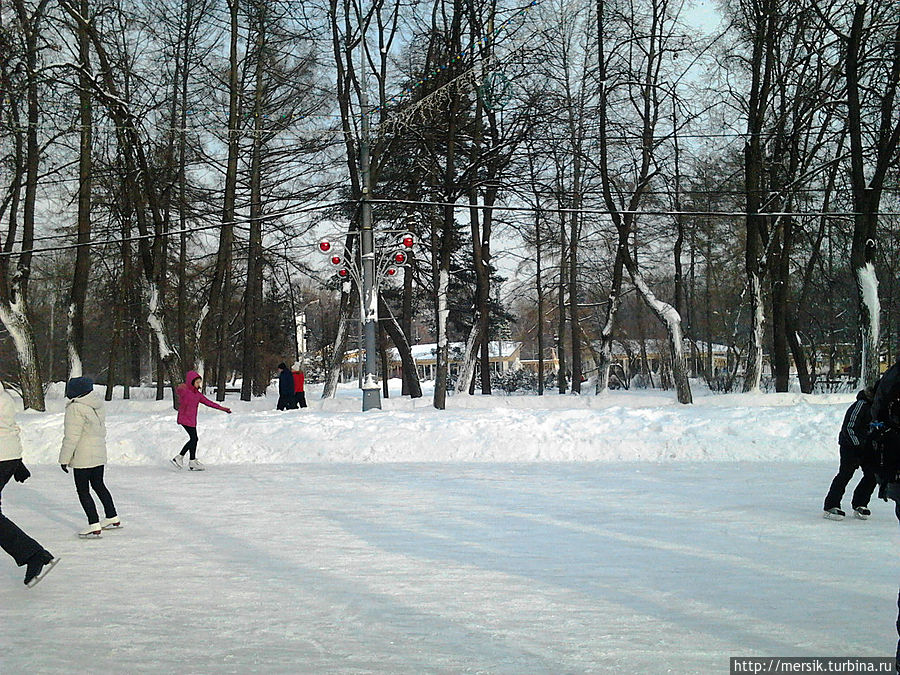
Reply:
x=368, y=273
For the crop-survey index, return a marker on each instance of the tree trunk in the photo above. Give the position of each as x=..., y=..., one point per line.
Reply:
x=672, y=322
x=398, y=337
x=604, y=354
x=762, y=63
x=348, y=308
x=406, y=313
x=213, y=331
x=441, y=255
x=14, y=312
x=78, y=292
x=253, y=292
x=385, y=363
x=779, y=269
x=561, y=379
x=539, y=287
x=867, y=191
x=471, y=353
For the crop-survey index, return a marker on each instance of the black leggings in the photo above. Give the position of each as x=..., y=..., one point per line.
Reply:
x=191, y=445
x=93, y=478
x=13, y=540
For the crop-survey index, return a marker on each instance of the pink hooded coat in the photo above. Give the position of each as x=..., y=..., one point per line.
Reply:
x=189, y=398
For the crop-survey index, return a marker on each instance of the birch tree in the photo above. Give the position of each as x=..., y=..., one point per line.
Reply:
x=21, y=77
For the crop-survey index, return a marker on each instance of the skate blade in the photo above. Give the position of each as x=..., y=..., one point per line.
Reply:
x=833, y=516
x=49, y=566
x=92, y=535
x=108, y=528
x=860, y=516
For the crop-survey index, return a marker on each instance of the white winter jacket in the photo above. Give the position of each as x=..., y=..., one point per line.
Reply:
x=10, y=445
x=84, y=436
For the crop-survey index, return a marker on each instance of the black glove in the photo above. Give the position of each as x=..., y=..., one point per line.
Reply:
x=64, y=468
x=21, y=474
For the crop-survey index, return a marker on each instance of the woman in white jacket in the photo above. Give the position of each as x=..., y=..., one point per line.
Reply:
x=84, y=449
x=23, y=549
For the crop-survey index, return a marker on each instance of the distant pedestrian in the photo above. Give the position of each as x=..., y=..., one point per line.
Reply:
x=856, y=453
x=189, y=399
x=22, y=548
x=286, y=398
x=84, y=450
x=299, y=394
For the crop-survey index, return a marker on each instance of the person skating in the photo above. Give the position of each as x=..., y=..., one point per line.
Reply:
x=887, y=396
x=84, y=451
x=286, y=400
x=23, y=549
x=891, y=490
x=189, y=399
x=299, y=394
x=855, y=453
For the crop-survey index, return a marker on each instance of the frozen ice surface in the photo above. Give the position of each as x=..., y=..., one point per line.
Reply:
x=615, y=534
x=449, y=568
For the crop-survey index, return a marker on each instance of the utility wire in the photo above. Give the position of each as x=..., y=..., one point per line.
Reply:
x=197, y=228
x=648, y=212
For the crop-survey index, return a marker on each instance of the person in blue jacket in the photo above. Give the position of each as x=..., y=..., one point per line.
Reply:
x=286, y=398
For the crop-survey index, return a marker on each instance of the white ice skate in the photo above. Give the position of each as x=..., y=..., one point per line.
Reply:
x=178, y=461
x=111, y=523
x=861, y=512
x=92, y=531
x=195, y=465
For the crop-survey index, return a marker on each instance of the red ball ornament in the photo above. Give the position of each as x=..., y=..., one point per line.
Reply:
x=324, y=246
x=399, y=257
x=343, y=273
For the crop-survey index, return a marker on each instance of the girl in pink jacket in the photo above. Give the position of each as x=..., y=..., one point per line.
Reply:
x=189, y=398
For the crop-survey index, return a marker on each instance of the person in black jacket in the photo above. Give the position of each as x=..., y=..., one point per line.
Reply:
x=286, y=398
x=886, y=423
x=887, y=393
x=855, y=453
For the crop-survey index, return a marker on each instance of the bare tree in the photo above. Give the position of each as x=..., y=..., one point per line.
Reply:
x=20, y=72
x=871, y=44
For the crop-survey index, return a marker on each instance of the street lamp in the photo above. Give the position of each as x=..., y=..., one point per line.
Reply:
x=380, y=262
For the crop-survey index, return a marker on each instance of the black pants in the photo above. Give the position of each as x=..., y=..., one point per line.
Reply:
x=85, y=479
x=287, y=402
x=850, y=462
x=301, y=398
x=191, y=445
x=13, y=540
x=892, y=491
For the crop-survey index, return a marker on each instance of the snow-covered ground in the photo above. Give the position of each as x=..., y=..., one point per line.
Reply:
x=415, y=541
x=620, y=426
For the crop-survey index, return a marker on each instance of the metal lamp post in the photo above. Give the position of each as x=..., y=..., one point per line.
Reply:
x=369, y=306
x=373, y=267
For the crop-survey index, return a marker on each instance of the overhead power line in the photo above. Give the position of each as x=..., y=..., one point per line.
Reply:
x=646, y=212
x=196, y=228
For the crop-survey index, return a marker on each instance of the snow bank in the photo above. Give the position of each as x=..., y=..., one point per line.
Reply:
x=617, y=426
